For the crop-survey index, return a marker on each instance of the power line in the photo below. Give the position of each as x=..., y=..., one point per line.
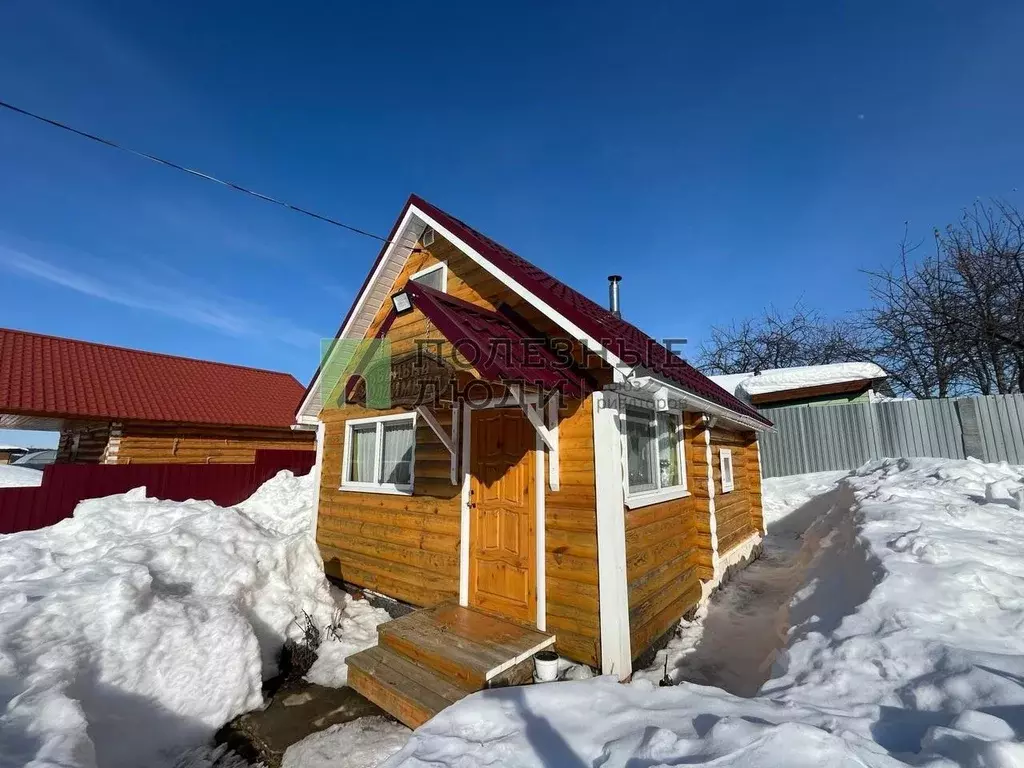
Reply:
x=191, y=171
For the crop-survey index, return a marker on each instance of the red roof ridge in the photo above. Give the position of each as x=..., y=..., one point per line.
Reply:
x=136, y=351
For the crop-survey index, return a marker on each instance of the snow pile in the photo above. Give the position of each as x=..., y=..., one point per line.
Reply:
x=353, y=629
x=362, y=743
x=746, y=385
x=906, y=645
x=19, y=477
x=283, y=504
x=138, y=627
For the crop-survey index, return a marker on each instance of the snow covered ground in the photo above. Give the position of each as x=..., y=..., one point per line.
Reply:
x=903, y=643
x=19, y=477
x=137, y=628
x=883, y=626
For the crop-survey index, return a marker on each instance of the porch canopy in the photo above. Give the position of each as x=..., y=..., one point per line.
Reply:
x=501, y=345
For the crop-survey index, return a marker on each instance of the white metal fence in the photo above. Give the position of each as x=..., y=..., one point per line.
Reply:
x=832, y=437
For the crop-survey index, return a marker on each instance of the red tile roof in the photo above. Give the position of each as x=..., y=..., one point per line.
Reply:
x=622, y=338
x=52, y=376
x=499, y=341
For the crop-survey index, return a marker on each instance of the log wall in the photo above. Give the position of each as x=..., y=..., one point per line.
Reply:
x=738, y=513
x=82, y=442
x=142, y=443
x=571, y=540
x=664, y=552
x=406, y=547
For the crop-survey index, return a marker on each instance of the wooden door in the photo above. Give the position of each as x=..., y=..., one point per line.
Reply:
x=502, y=543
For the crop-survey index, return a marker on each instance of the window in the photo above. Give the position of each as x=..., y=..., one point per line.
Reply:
x=725, y=464
x=435, y=277
x=379, y=454
x=654, y=456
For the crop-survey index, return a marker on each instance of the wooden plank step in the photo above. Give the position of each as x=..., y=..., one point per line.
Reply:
x=464, y=645
x=406, y=691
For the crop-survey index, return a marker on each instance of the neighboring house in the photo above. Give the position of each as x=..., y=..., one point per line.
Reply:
x=9, y=453
x=597, y=519
x=113, y=405
x=832, y=384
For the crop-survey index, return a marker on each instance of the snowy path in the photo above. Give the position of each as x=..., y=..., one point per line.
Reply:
x=734, y=642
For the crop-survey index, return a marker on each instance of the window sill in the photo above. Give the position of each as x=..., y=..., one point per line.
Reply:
x=389, y=490
x=655, y=497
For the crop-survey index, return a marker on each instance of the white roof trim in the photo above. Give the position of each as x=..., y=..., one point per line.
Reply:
x=369, y=302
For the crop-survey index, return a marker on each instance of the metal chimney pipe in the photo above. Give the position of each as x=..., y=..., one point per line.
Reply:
x=613, y=294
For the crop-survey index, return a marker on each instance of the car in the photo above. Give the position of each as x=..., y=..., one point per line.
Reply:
x=36, y=459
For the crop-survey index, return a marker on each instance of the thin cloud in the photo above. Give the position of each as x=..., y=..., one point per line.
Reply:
x=135, y=291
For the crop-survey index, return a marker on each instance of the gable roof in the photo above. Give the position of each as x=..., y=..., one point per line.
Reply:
x=66, y=378
x=619, y=337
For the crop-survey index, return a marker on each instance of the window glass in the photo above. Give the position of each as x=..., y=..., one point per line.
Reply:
x=362, y=453
x=432, y=279
x=396, y=461
x=668, y=449
x=726, y=469
x=640, y=449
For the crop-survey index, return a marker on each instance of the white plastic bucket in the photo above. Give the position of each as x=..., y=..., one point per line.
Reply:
x=545, y=666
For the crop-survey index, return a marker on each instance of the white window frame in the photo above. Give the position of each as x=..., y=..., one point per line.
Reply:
x=723, y=455
x=644, y=498
x=377, y=487
x=443, y=266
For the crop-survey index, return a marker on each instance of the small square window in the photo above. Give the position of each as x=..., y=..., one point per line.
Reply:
x=725, y=466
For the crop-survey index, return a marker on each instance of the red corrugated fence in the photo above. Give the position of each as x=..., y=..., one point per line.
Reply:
x=64, y=485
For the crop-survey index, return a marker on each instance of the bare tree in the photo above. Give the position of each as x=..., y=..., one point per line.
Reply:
x=953, y=322
x=779, y=339
x=921, y=354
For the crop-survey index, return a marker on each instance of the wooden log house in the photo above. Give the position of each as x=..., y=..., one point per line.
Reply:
x=113, y=405
x=558, y=479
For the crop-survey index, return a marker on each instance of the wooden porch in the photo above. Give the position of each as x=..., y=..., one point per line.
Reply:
x=431, y=658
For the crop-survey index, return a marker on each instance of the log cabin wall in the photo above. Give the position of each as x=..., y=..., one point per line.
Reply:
x=571, y=540
x=142, y=443
x=82, y=442
x=406, y=547
x=738, y=513
x=668, y=548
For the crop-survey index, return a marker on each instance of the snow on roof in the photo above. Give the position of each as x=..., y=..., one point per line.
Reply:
x=12, y=448
x=746, y=385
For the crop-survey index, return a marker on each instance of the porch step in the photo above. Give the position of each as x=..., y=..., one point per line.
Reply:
x=431, y=658
x=406, y=691
x=466, y=646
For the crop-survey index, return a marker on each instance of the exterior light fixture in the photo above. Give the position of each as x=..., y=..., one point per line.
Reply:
x=401, y=302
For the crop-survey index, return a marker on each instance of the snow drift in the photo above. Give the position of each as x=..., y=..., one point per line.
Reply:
x=906, y=646
x=138, y=627
x=19, y=477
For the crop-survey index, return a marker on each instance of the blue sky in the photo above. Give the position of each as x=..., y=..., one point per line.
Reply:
x=722, y=157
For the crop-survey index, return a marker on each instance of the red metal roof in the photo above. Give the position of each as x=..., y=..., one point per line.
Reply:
x=52, y=376
x=622, y=338
x=501, y=345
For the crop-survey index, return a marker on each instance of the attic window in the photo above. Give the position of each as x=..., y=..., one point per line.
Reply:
x=428, y=237
x=435, y=277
